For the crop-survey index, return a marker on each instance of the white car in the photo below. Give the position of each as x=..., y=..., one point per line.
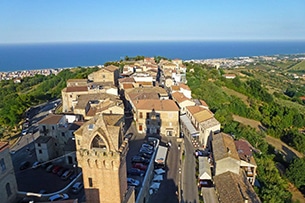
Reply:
x=133, y=182
x=36, y=164
x=57, y=197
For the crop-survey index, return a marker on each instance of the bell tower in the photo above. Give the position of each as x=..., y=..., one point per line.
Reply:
x=101, y=153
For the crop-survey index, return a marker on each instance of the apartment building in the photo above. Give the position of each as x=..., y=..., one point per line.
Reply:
x=155, y=116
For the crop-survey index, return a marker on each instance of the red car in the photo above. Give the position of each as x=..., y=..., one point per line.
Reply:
x=140, y=166
x=56, y=169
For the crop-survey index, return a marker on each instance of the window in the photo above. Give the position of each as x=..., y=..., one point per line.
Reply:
x=53, y=127
x=78, y=142
x=2, y=165
x=39, y=145
x=147, y=115
x=90, y=182
x=55, y=144
x=40, y=151
x=103, y=76
x=63, y=134
x=141, y=115
x=140, y=128
x=8, y=189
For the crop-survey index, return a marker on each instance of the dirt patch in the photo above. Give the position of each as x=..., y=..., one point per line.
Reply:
x=286, y=150
x=250, y=122
x=237, y=94
x=297, y=196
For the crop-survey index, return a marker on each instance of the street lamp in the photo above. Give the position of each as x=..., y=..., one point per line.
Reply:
x=75, y=168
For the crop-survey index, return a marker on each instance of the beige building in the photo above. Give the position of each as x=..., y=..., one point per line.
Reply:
x=225, y=156
x=45, y=147
x=101, y=153
x=182, y=101
x=60, y=128
x=231, y=187
x=88, y=105
x=155, y=116
x=8, y=183
x=71, y=94
x=108, y=74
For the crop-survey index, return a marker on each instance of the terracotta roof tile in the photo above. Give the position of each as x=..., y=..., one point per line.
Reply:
x=175, y=88
x=127, y=86
x=223, y=145
x=158, y=105
x=127, y=80
x=203, y=115
x=179, y=97
x=51, y=119
x=77, y=89
x=111, y=68
x=184, y=86
x=195, y=109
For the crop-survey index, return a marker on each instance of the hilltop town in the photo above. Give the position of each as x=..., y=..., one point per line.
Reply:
x=106, y=118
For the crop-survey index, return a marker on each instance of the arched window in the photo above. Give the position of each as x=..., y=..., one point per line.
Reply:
x=8, y=189
x=98, y=142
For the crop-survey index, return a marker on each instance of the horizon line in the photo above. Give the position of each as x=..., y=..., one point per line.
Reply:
x=141, y=41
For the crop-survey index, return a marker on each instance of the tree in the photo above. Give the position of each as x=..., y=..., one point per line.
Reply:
x=295, y=172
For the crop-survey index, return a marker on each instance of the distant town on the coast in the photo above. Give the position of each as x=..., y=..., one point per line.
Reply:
x=234, y=62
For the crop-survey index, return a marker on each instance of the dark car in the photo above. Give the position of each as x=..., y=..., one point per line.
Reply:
x=78, y=186
x=147, y=146
x=145, y=155
x=61, y=171
x=135, y=171
x=139, y=159
x=146, y=150
x=24, y=165
x=45, y=164
x=67, y=174
x=140, y=166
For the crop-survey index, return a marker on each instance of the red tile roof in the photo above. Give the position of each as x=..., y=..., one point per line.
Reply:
x=77, y=89
x=158, y=105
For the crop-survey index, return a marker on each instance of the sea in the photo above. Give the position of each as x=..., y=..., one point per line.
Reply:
x=17, y=57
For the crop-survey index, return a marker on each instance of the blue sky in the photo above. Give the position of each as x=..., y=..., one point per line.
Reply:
x=35, y=21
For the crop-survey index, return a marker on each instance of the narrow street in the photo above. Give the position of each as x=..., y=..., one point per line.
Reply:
x=189, y=182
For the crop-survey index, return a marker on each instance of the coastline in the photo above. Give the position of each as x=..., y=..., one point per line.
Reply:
x=21, y=57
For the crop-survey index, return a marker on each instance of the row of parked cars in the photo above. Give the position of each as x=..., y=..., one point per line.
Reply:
x=62, y=172
x=76, y=188
x=141, y=161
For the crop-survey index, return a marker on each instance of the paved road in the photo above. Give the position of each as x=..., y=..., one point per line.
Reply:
x=209, y=195
x=169, y=186
x=189, y=185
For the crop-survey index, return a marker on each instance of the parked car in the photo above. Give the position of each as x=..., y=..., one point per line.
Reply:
x=56, y=169
x=140, y=166
x=49, y=168
x=133, y=182
x=46, y=164
x=24, y=165
x=12, y=152
x=128, y=136
x=135, y=171
x=36, y=164
x=61, y=171
x=139, y=159
x=57, y=197
x=148, y=146
x=67, y=174
x=24, y=131
x=145, y=155
x=146, y=150
x=78, y=186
